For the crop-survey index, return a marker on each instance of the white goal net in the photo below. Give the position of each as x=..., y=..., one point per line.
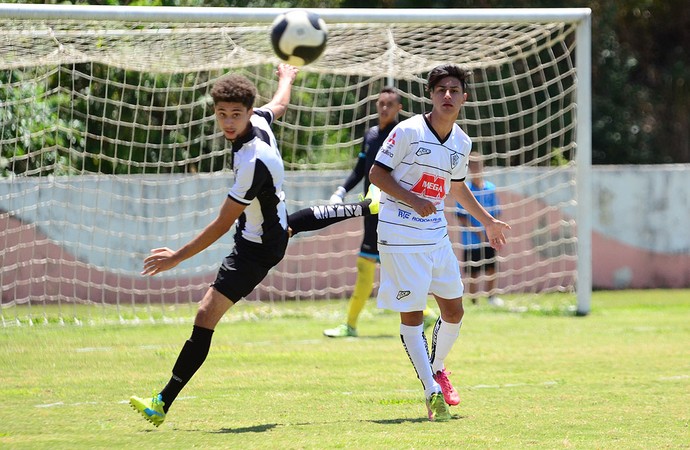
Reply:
x=109, y=146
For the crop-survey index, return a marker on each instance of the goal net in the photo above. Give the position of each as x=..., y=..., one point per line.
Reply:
x=109, y=145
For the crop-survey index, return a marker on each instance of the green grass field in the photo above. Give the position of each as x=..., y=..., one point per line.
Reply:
x=616, y=379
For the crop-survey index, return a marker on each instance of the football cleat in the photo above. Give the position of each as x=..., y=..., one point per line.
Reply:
x=449, y=393
x=341, y=331
x=152, y=409
x=496, y=301
x=437, y=408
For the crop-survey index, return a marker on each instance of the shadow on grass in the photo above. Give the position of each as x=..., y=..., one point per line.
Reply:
x=254, y=429
x=407, y=420
x=269, y=426
x=363, y=337
x=379, y=336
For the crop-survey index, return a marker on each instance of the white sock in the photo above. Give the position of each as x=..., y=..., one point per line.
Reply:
x=414, y=343
x=445, y=335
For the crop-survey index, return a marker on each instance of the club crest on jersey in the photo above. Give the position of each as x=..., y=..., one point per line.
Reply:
x=423, y=151
x=454, y=160
x=430, y=186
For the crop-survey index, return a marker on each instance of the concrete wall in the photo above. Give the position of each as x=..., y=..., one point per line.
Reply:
x=97, y=229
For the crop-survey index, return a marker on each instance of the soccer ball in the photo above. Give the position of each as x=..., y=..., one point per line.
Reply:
x=298, y=37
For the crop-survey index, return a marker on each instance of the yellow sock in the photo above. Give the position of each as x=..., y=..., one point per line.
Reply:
x=366, y=271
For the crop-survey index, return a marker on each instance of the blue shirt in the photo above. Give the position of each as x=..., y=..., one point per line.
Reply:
x=486, y=197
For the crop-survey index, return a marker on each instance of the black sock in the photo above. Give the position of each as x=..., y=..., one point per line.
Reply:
x=192, y=356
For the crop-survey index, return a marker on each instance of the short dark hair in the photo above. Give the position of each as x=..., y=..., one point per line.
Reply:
x=391, y=90
x=447, y=70
x=234, y=88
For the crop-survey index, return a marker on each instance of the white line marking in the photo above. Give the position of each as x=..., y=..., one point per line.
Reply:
x=49, y=405
x=120, y=402
x=110, y=349
x=674, y=378
x=511, y=385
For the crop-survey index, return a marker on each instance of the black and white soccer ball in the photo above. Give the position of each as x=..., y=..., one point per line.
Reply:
x=299, y=37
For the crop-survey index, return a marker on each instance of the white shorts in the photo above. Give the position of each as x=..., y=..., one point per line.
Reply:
x=407, y=279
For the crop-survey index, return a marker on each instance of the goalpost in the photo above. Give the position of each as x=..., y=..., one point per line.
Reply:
x=109, y=146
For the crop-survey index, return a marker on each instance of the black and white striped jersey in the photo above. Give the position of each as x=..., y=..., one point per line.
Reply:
x=259, y=178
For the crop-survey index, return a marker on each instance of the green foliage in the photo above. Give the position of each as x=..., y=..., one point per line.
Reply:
x=224, y=3
x=641, y=100
x=640, y=73
x=308, y=148
x=39, y=140
x=147, y=138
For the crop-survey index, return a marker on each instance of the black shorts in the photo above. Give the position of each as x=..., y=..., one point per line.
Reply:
x=244, y=268
x=369, y=242
x=484, y=255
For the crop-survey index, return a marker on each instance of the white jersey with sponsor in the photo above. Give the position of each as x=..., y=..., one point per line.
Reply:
x=420, y=162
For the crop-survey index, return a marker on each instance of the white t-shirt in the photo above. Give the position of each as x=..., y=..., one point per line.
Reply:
x=422, y=164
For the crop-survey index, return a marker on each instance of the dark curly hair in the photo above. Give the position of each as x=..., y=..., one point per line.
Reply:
x=447, y=70
x=234, y=88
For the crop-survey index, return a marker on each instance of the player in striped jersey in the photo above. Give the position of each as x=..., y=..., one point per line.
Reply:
x=255, y=202
x=255, y=205
x=423, y=160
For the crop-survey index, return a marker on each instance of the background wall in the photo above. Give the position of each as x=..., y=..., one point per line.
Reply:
x=641, y=237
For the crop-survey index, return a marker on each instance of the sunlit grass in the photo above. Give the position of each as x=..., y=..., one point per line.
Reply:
x=618, y=378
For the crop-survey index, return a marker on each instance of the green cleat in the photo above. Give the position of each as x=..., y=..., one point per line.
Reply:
x=437, y=408
x=430, y=318
x=152, y=410
x=373, y=194
x=341, y=331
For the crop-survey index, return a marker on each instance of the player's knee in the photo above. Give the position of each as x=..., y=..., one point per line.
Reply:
x=455, y=316
x=453, y=313
x=211, y=309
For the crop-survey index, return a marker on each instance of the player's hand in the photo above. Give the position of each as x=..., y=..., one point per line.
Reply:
x=494, y=232
x=337, y=196
x=287, y=71
x=423, y=207
x=159, y=260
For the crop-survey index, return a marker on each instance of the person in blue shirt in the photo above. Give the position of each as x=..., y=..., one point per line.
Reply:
x=480, y=257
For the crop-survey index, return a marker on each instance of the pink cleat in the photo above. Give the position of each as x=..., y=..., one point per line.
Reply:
x=449, y=393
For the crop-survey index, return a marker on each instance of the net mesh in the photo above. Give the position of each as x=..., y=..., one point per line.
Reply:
x=109, y=149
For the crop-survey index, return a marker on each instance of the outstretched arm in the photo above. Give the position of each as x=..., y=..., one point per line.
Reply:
x=494, y=227
x=279, y=103
x=162, y=259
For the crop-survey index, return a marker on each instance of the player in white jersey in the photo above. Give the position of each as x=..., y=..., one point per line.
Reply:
x=423, y=160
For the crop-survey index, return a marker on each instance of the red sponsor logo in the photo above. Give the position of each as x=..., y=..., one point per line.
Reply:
x=430, y=186
x=391, y=139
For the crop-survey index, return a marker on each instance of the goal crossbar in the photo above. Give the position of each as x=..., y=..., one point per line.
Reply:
x=267, y=15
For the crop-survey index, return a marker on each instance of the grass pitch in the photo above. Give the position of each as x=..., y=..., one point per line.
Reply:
x=540, y=378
